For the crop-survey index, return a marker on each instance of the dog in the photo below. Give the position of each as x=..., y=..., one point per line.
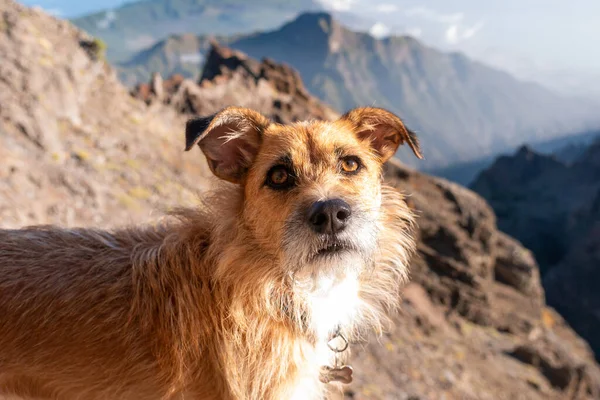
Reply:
x=255, y=294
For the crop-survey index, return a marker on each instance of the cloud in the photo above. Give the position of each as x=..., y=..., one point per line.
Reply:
x=452, y=34
x=379, y=30
x=386, y=8
x=109, y=17
x=338, y=5
x=469, y=33
x=432, y=15
x=455, y=33
x=455, y=28
x=415, y=32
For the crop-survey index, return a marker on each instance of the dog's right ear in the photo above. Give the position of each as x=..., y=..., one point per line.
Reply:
x=382, y=130
x=229, y=139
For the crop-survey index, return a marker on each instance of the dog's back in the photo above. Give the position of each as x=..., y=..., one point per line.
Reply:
x=66, y=295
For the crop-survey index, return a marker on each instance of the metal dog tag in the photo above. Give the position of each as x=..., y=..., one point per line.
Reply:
x=342, y=374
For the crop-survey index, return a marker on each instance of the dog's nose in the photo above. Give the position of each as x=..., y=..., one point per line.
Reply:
x=330, y=216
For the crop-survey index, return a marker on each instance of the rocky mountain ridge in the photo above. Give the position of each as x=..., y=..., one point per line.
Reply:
x=553, y=207
x=473, y=322
x=231, y=77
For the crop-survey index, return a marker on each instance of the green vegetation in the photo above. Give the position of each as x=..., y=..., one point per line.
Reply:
x=100, y=48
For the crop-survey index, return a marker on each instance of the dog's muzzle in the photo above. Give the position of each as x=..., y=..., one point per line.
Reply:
x=328, y=233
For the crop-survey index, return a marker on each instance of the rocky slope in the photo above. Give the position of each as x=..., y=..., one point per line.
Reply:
x=444, y=96
x=473, y=325
x=553, y=207
x=75, y=147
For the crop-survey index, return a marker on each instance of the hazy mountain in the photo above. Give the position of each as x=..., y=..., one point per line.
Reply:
x=566, y=148
x=178, y=54
x=463, y=110
x=137, y=25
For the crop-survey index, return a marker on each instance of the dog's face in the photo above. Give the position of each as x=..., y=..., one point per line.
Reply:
x=312, y=189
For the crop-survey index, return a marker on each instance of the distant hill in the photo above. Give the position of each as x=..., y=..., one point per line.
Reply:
x=567, y=149
x=463, y=110
x=137, y=25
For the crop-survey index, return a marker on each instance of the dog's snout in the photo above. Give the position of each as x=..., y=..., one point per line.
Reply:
x=330, y=216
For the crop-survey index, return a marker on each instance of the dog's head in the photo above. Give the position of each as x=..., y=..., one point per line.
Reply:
x=312, y=190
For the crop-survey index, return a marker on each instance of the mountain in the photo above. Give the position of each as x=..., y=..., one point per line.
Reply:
x=77, y=149
x=176, y=55
x=462, y=109
x=565, y=148
x=137, y=25
x=553, y=208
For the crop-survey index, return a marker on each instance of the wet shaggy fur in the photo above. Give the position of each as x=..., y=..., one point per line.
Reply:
x=215, y=302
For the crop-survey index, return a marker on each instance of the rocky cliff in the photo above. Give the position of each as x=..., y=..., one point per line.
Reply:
x=553, y=207
x=77, y=149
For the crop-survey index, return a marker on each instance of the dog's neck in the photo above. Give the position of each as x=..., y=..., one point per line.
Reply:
x=331, y=301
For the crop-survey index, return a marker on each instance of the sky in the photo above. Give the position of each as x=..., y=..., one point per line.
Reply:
x=552, y=41
x=73, y=8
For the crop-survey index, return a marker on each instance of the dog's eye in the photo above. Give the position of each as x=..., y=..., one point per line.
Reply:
x=280, y=177
x=350, y=165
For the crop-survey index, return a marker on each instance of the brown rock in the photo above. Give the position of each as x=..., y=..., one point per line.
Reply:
x=157, y=86
x=457, y=244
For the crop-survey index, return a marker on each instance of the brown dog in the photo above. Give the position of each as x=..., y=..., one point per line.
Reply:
x=236, y=300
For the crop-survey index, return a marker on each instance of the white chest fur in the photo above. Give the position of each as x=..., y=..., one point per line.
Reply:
x=333, y=301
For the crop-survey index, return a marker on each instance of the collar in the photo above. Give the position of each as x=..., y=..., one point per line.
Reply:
x=338, y=343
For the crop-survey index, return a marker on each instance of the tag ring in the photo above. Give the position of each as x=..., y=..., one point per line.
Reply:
x=337, y=349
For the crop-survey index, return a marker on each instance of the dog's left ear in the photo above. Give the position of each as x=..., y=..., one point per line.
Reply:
x=384, y=130
x=229, y=139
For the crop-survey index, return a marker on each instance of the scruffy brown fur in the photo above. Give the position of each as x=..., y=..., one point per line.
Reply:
x=214, y=302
